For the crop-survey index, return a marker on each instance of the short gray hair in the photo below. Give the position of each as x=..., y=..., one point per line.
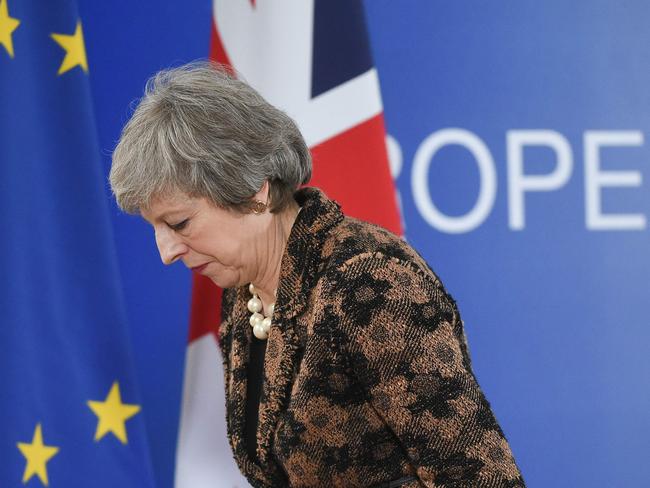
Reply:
x=199, y=130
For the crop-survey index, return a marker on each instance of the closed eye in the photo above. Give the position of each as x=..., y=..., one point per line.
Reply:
x=179, y=226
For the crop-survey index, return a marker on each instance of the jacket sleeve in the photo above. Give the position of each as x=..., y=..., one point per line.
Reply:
x=405, y=344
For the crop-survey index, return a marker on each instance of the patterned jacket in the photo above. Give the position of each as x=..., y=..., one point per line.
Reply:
x=367, y=377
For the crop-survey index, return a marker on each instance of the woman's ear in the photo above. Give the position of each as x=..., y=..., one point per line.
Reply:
x=260, y=201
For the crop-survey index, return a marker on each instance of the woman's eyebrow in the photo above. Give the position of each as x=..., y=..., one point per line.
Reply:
x=162, y=217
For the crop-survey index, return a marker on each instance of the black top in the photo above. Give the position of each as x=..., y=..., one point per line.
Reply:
x=253, y=391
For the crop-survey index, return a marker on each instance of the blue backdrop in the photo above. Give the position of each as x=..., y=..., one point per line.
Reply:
x=532, y=209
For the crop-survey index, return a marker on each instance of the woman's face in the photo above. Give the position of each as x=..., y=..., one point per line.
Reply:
x=222, y=244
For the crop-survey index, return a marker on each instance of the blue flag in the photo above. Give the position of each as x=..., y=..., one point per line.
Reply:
x=69, y=409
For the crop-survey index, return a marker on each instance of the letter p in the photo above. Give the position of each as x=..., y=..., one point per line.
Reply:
x=520, y=183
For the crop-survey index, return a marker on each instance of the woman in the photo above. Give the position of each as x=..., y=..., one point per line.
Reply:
x=345, y=358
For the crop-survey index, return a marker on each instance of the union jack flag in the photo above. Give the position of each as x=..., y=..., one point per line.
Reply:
x=312, y=59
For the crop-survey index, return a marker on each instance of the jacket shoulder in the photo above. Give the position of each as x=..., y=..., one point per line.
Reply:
x=374, y=272
x=357, y=241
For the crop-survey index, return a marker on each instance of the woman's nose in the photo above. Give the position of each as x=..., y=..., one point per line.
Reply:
x=170, y=247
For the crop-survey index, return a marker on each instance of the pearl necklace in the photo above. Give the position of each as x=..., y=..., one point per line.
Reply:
x=261, y=324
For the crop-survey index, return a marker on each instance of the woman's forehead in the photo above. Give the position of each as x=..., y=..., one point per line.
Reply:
x=164, y=205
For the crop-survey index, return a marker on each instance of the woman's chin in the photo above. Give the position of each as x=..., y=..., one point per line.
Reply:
x=224, y=281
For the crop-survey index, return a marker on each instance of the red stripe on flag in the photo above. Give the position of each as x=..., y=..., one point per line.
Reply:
x=352, y=168
x=205, y=312
x=217, y=49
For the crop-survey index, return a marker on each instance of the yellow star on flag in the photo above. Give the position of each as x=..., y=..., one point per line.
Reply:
x=112, y=414
x=7, y=26
x=75, y=50
x=37, y=455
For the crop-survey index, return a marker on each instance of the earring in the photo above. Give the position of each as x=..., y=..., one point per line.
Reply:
x=258, y=207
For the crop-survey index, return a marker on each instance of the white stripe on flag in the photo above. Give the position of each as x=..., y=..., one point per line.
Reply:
x=270, y=44
x=203, y=457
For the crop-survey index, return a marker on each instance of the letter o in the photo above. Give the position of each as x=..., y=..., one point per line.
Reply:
x=419, y=180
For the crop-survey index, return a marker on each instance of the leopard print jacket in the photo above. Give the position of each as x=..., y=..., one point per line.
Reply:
x=367, y=376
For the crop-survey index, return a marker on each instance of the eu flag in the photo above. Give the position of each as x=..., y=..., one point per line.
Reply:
x=69, y=409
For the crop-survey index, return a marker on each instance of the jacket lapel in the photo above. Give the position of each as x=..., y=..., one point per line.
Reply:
x=279, y=363
x=299, y=272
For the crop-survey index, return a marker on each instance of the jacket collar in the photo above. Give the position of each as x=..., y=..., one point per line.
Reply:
x=303, y=256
